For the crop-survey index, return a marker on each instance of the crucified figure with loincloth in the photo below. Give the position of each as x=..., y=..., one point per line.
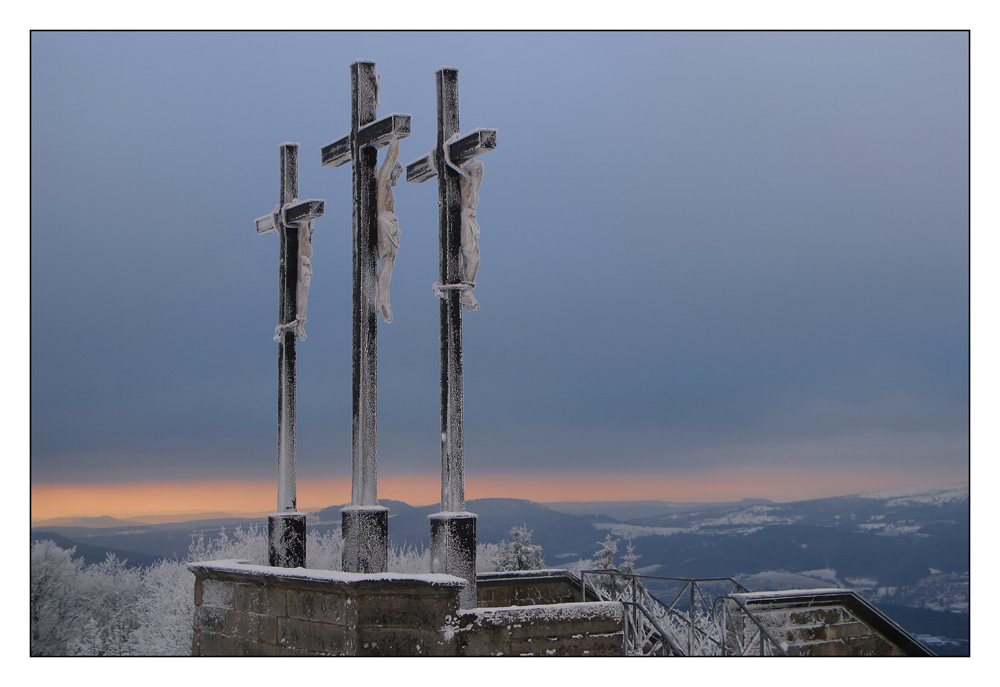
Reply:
x=388, y=225
x=468, y=261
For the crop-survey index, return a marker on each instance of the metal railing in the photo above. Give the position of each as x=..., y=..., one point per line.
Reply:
x=693, y=624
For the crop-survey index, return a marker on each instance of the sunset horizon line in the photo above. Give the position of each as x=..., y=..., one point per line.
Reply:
x=252, y=498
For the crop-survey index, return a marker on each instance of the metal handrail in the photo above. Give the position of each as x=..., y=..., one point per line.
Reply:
x=760, y=626
x=691, y=586
x=664, y=636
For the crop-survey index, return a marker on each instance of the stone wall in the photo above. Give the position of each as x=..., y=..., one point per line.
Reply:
x=529, y=588
x=833, y=622
x=564, y=629
x=249, y=610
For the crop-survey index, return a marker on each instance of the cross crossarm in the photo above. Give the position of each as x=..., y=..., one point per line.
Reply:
x=460, y=151
x=304, y=211
x=300, y=212
x=376, y=134
x=337, y=153
x=380, y=133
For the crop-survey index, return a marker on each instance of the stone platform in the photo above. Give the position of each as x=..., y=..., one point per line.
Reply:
x=253, y=610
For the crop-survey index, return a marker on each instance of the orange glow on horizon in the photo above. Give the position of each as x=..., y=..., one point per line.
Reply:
x=258, y=497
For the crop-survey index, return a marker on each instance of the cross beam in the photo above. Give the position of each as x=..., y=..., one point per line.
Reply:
x=365, y=523
x=460, y=152
x=287, y=527
x=453, y=530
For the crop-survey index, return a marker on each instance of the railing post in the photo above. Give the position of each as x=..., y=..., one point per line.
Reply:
x=691, y=621
x=725, y=625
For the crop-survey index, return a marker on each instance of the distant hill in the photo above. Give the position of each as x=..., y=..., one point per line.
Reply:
x=631, y=510
x=100, y=521
x=92, y=554
x=141, y=541
x=331, y=514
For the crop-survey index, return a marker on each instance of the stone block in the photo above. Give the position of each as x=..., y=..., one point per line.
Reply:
x=250, y=648
x=317, y=607
x=217, y=593
x=799, y=634
x=589, y=645
x=847, y=630
x=259, y=598
x=482, y=641
x=869, y=646
x=214, y=644
x=254, y=626
x=819, y=616
x=401, y=610
x=563, y=628
x=377, y=641
x=322, y=638
x=210, y=619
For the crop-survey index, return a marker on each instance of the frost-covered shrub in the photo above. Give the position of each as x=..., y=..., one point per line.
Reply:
x=58, y=607
x=324, y=551
x=113, y=591
x=80, y=610
x=487, y=557
x=409, y=559
x=249, y=544
x=165, y=611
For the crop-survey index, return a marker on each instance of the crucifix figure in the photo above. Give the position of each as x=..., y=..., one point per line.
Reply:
x=453, y=530
x=292, y=220
x=364, y=522
x=388, y=225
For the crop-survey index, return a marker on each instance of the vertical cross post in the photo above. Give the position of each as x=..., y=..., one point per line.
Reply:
x=364, y=522
x=453, y=530
x=287, y=527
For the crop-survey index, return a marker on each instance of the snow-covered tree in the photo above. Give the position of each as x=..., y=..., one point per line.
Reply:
x=249, y=544
x=611, y=586
x=58, y=607
x=520, y=553
x=409, y=559
x=112, y=591
x=165, y=611
x=323, y=551
x=628, y=561
x=487, y=557
x=606, y=554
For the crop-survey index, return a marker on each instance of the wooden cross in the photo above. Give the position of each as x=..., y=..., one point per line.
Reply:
x=292, y=217
x=453, y=530
x=364, y=521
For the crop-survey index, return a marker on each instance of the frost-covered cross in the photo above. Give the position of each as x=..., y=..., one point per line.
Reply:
x=453, y=530
x=364, y=522
x=292, y=221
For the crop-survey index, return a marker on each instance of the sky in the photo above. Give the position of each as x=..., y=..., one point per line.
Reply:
x=714, y=266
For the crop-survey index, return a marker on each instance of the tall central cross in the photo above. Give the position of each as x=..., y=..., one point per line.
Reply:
x=364, y=522
x=453, y=530
x=292, y=220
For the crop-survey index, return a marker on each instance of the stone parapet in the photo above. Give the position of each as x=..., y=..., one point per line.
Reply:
x=530, y=588
x=830, y=622
x=248, y=610
x=251, y=610
x=564, y=629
